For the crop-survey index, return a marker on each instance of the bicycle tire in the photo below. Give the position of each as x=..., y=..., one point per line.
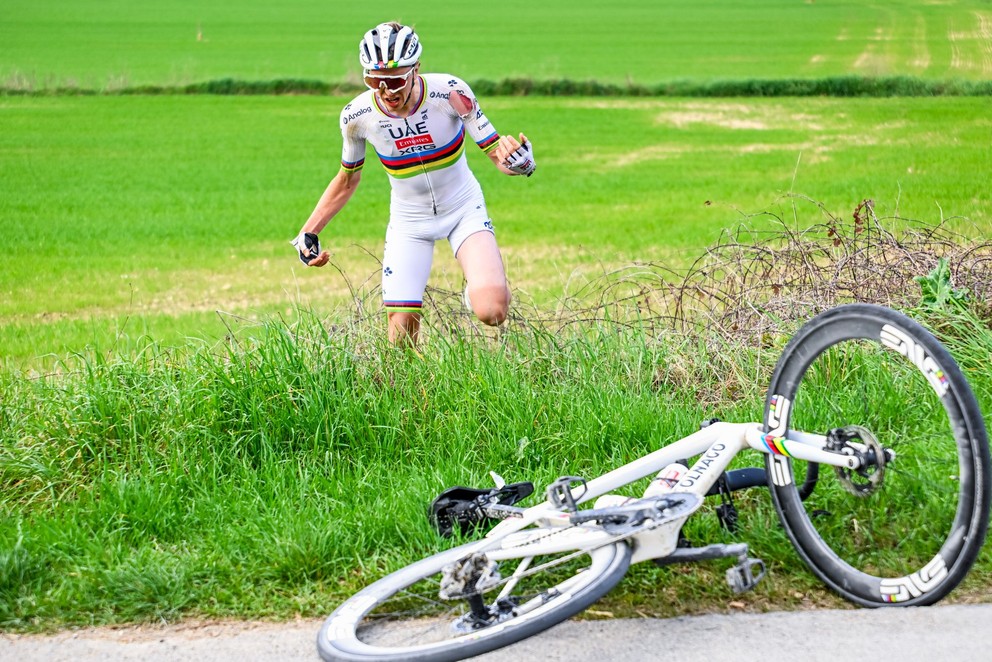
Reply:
x=357, y=631
x=913, y=537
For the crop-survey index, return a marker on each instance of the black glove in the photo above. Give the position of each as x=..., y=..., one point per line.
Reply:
x=308, y=245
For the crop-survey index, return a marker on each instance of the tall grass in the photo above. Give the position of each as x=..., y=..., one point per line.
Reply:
x=273, y=475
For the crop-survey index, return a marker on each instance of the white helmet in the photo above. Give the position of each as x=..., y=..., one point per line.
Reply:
x=389, y=45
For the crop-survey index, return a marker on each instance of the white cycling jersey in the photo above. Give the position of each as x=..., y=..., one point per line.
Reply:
x=423, y=154
x=434, y=193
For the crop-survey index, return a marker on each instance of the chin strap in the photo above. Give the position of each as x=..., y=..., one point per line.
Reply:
x=416, y=79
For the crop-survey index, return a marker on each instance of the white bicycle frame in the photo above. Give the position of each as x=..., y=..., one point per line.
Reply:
x=716, y=445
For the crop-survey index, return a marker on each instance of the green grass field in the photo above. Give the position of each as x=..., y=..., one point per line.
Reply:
x=130, y=216
x=190, y=425
x=105, y=45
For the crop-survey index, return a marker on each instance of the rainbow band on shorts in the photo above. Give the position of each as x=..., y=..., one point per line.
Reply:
x=403, y=306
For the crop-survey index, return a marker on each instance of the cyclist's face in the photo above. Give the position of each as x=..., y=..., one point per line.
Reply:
x=392, y=85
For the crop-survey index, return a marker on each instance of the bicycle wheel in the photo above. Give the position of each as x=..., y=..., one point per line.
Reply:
x=401, y=617
x=907, y=528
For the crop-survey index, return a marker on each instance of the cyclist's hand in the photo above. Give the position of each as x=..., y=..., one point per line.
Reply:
x=517, y=156
x=308, y=246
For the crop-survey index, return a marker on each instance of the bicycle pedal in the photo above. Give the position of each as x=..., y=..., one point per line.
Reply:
x=745, y=575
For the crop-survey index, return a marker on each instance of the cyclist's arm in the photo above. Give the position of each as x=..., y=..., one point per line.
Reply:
x=499, y=165
x=335, y=197
x=506, y=146
x=464, y=104
x=342, y=187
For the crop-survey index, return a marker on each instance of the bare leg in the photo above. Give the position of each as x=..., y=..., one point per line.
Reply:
x=404, y=328
x=482, y=265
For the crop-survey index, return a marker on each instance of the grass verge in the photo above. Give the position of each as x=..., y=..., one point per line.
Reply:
x=273, y=478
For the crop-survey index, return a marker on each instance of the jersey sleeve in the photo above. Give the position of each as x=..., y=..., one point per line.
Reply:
x=477, y=124
x=353, y=144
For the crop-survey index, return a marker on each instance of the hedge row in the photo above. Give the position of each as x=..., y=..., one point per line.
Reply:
x=840, y=86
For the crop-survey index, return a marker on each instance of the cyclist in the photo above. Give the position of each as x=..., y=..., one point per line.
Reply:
x=417, y=125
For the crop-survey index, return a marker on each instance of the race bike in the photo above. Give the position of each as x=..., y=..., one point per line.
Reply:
x=876, y=457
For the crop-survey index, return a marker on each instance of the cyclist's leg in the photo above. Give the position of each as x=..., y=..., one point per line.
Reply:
x=403, y=328
x=474, y=242
x=482, y=265
x=406, y=265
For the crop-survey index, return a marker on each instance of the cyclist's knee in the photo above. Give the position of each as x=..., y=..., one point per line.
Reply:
x=490, y=304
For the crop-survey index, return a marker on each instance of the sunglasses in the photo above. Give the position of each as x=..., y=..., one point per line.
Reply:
x=391, y=83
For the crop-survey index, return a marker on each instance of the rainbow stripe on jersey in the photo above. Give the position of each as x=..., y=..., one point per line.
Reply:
x=352, y=166
x=489, y=143
x=402, y=167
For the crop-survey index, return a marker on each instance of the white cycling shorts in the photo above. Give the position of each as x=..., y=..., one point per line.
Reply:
x=409, y=250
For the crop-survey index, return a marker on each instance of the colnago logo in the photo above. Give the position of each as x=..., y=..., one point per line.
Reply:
x=355, y=115
x=702, y=465
x=896, y=339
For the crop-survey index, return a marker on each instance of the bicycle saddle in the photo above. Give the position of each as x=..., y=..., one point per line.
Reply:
x=462, y=506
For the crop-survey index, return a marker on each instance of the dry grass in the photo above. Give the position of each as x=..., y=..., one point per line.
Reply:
x=755, y=282
x=751, y=285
